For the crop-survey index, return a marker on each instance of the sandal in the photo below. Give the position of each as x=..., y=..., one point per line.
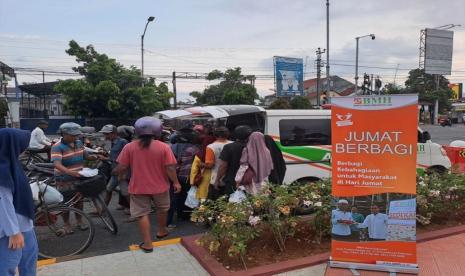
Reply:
x=162, y=236
x=146, y=250
x=64, y=231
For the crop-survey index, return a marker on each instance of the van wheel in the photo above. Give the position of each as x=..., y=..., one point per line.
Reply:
x=436, y=170
x=302, y=209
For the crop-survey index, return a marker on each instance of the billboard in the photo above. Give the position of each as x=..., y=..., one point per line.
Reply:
x=438, y=51
x=457, y=90
x=289, y=76
x=374, y=182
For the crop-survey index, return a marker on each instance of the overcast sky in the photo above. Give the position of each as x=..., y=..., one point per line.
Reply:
x=202, y=35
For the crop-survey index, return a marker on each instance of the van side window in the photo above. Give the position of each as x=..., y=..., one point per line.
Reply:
x=305, y=132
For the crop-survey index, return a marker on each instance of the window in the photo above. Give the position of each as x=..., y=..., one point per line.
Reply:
x=305, y=132
x=254, y=120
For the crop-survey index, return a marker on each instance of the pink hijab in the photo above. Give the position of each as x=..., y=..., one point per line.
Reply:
x=257, y=156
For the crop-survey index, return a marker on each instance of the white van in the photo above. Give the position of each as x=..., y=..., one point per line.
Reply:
x=304, y=137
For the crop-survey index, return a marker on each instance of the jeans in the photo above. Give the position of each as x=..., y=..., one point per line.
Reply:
x=24, y=259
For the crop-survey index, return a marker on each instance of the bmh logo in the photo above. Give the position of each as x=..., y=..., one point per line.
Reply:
x=373, y=101
x=344, y=120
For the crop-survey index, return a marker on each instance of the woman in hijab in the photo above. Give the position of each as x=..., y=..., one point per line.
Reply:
x=18, y=244
x=256, y=164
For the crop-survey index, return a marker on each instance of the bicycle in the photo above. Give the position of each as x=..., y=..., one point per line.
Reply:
x=90, y=189
x=53, y=240
x=87, y=190
x=32, y=156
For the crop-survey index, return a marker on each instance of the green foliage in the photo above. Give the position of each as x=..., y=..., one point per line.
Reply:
x=3, y=108
x=230, y=90
x=108, y=89
x=235, y=225
x=280, y=103
x=425, y=85
x=300, y=102
x=419, y=82
x=440, y=197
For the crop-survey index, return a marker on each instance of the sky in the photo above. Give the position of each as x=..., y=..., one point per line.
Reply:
x=202, y=35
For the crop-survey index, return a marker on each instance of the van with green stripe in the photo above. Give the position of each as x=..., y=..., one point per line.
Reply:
x=304, y=137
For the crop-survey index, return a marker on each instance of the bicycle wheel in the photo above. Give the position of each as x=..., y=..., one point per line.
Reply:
x=53, y=239
x=104, y=214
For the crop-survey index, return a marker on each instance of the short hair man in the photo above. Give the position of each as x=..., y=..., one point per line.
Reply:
x=376, y=223
x=117, y=144
x=39, y=142
x=68, y=157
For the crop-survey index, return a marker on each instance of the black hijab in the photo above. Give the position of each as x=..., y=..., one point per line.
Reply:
x=279, y=164
x=12, y=143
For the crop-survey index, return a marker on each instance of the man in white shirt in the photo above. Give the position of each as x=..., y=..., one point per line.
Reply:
x=341, y=219
x=39, y=142
x=376, y=224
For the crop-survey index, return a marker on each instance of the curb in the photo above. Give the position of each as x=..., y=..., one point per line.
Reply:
x=212, y=266
x=45, y=262
x=132, y=247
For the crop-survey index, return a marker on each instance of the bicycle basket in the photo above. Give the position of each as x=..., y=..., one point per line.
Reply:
x=91, y=187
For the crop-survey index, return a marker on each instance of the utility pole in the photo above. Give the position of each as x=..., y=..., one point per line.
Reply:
x=318, y=74
x=328, y=79
x=175, y=104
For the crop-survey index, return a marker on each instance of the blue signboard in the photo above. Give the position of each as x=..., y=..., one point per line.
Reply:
x=289, y=76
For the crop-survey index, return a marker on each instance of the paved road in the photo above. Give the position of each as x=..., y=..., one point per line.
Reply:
x=445, y=135
x=128, y=233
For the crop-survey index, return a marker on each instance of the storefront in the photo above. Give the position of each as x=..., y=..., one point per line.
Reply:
x=458, y=112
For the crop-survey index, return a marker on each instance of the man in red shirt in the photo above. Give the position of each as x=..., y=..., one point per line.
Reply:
x=152, y=165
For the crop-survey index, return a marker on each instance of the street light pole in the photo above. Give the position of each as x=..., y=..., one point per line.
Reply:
x=356, y=58
x=150, y=19
x=328, y=80
x=356, y=65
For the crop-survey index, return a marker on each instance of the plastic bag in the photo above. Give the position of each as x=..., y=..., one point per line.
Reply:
x=35, y=190
x=88, y=172
x=191, y=200
x=238, y=196
x=51, y=195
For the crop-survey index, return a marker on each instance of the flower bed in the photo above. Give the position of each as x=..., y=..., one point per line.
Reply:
x=265, y=228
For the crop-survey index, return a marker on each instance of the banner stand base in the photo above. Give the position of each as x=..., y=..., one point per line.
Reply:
x=388, y=268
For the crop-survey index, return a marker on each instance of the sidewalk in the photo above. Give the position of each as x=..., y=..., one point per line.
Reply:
x=165, y=260
x=436, y=257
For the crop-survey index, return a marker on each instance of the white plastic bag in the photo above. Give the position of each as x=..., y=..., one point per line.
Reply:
x=88, y=172
x=191, y=200
x=51, y=195
x=35, y=190
x=238, y=196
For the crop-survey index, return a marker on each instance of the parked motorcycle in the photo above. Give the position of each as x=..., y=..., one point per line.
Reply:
x=445, y=122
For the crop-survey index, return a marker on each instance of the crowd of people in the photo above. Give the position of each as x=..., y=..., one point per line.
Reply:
x=152, y=170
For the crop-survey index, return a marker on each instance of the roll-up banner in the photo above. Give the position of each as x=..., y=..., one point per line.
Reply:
x=374, y=150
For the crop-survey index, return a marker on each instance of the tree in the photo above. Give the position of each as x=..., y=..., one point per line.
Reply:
x=280, y=103
x=425, y=85
x=392, y=89
x=230, y=90
x=300, y=102
x=3, y=110
x=109, y=89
